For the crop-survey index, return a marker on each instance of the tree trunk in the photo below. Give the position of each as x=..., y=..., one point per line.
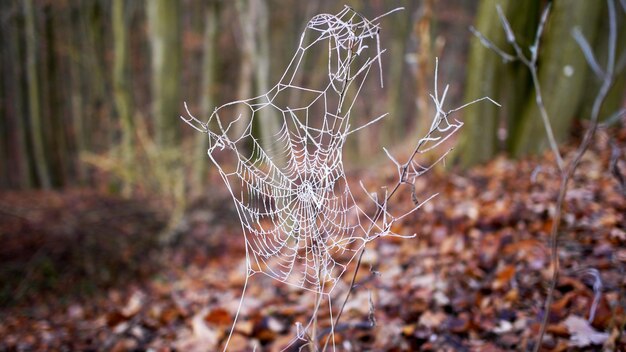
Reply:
x=488, y=76
x=36, y=135
x=244, y=87
x=394, y=124
x=52, y=90
x=5, y=158
x=562, y=76
x=94, y=127
x=18, y=168
x=424, y=68
x=77, y=95
x=121, y=81
x=207, y=91
x=267, y=119
x=164, y=25
x=568, y=87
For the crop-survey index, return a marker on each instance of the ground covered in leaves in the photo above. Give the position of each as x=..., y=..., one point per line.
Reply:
x=84, y=271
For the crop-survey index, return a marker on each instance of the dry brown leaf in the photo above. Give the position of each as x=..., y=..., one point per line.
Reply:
x=219, y=316
x=503, y=277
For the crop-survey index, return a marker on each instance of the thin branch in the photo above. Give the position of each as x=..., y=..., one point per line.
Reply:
x=587, y=51
x=613, y=118
x=580, y=151
x=490, y=45
x=534, y=49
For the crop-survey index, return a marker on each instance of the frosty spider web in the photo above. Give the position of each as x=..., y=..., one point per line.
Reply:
x=301, y=223
x=300, y=220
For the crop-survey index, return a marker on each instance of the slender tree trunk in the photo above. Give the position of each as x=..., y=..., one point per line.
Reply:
x=121, y=81
x=77, y=100
x=18, y=172
x=244, y=87
x=92, y=49
x=52, y=90
x=268, y=123
x=5, y=158
x=164, y=24
x=36, y=135
x=425, y=67
x=394, y=124
x=207, y=91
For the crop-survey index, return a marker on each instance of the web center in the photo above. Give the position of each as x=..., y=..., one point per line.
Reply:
x=305, y=192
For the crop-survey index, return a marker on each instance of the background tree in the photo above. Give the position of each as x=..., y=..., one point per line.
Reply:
x=121, y=80
x=16, y=162
x=562, y=75
x=207, y=87
x=69, y=63
x=34, y=102
x=517, y=128
x=164, y=24
x=487, y=76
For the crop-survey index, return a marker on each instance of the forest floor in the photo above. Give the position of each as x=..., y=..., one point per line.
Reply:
x=81, y=270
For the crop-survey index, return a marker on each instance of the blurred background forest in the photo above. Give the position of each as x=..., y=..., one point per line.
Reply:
x=92, y=90
x=95, y=162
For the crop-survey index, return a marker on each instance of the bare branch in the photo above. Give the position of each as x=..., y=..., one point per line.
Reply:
x=567, y=174
x=534, y=49
x=490, y=45
x=586, y=49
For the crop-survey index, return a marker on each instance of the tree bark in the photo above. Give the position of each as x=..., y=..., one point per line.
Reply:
x=164, y=25
x=394, y=125
x=267, y=119
x=207, y=91
x=95, y=117
x=36, y=135
x=77, y=96
x=52, y=91
x=244, y=87
x=18, y=167
x=425, y=66
x=121, y=81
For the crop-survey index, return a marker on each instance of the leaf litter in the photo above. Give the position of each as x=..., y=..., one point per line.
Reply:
x=474, y=278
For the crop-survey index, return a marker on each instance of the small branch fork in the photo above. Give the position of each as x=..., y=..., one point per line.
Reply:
x=606, y=75
x=531, y=64
x=441, y=129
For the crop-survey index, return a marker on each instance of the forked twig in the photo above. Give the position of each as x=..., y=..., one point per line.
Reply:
x=531, y=64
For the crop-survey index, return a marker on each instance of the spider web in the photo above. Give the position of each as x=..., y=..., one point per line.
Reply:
x=300, y=220
x=301, y=223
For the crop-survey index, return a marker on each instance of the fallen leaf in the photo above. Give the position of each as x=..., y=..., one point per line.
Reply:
x=219, y=316
x=582, y=333
x=503, y=277
x=134, y=304
x=432, y=320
